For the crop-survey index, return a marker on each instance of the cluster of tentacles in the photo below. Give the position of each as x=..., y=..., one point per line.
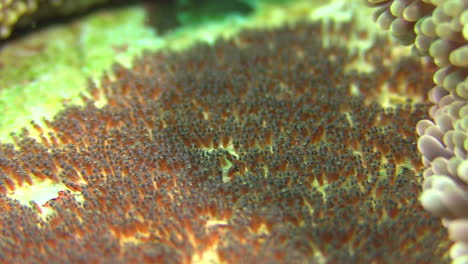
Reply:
x=439, y=29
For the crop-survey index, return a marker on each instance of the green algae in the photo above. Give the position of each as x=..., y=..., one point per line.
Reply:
x=49, y=68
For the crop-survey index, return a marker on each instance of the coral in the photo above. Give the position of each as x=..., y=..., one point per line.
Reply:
x=265, y=148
